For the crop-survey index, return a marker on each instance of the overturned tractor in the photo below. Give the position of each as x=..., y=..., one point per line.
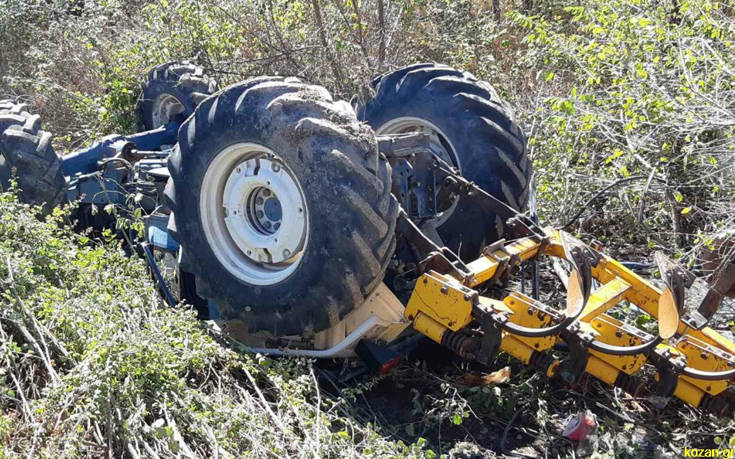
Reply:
x=308, y=226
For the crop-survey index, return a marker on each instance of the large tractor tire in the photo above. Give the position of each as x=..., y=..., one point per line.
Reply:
x=26, y=155
x=172, y=91
x=282, y=205
x=470, y=127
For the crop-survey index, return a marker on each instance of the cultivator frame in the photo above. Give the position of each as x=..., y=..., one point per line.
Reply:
x=695, y=365
x=693, y=362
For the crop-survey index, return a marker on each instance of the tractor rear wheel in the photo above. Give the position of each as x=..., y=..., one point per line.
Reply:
x=282, y=205
x=26, y=155
x=471, y=128
x=172, y=91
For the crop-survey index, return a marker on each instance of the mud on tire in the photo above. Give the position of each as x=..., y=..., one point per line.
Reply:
x=476, y=124
x=172, y=89
x=351, y=214
x=27, y=155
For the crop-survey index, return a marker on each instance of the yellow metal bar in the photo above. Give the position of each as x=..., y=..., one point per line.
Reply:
x=517, y=348
x=485, y=267
x=688, y=392
x=429, y=327
x=601, y=369
x=605, y=298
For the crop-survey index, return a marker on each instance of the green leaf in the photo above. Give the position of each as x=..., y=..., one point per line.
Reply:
x=457, y=419
x=686, y=210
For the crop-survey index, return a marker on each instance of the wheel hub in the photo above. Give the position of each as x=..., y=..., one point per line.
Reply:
x=165, y=108
x=439, y=145
x=264, y=211
x=254, y=214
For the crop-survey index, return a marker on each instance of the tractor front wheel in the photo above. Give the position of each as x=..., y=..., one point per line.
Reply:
x=282, y=206
x=172, y=91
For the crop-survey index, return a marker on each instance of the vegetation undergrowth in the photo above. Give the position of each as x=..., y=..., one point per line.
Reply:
x=93, y=362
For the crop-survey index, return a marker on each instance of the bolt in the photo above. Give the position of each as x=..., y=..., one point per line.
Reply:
x=444, y=289
x=259, y=214
x=704, y=356
x=286, y=253
x=267, y=224
x=426, y=281
x=300, y=210
x=618, y=333
x=259, y=201
x=276, y=226
x=238, y=170
x=267, y=192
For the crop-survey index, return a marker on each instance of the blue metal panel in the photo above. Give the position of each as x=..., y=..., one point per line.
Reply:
x=157, y=233
x=85, y=161
x=155, y=139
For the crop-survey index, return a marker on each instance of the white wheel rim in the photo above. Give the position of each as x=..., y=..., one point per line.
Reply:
x=439, y=144
x=165, y=107
x=254, y=214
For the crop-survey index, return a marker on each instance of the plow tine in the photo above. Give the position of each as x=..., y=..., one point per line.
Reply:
x=579, y=285
x=576, y=299
x=671, y=301
x=668, y=315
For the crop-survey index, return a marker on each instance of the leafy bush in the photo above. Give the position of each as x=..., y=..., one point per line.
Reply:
x=92, y=362
x=636, y=90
